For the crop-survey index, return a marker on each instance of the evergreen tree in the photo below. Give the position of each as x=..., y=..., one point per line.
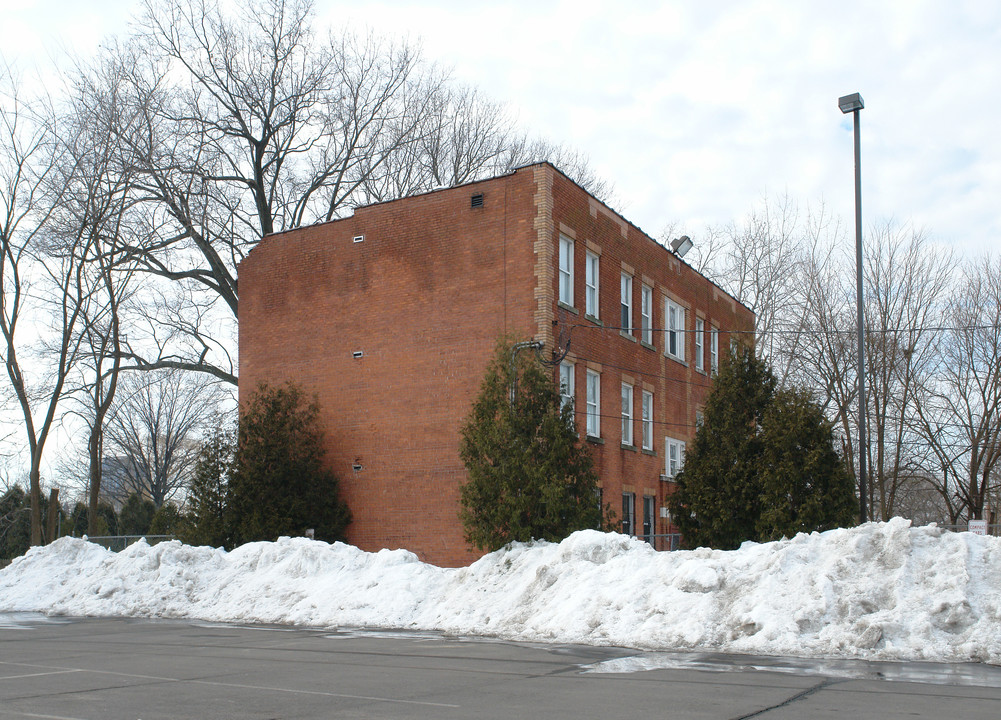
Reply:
x=528, y=474
x=279, y=485
x=207, y=494
x=136, y=515
x=169, y=520
x=716, y=499
x=805, y=485
x=762, y=465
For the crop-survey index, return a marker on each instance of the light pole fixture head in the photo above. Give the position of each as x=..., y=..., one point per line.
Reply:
x=850, y=103
x=681, y=245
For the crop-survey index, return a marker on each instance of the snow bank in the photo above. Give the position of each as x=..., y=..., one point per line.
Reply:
x=880, y=591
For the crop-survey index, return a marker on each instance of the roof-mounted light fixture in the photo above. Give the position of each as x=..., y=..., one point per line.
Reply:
x=680, y=246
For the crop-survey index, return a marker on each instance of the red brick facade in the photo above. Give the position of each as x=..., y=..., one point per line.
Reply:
x=390, y=317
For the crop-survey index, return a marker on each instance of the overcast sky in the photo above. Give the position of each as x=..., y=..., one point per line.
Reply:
x=697, y=110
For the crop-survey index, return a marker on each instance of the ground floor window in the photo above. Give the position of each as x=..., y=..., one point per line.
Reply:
x=628, y=513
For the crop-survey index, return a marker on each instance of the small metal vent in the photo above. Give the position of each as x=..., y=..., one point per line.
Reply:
x=476, y=201
x=357, y=354
x=356, y=467
x=358, y=238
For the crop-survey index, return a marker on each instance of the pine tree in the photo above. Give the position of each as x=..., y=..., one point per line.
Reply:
x=805, y=485
x=529, y=476
x=716, y=500
x=279, y=484
x=136, y=515
x=762, y=466
x=207, y=494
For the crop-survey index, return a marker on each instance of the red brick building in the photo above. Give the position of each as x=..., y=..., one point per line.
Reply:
x=391, y=316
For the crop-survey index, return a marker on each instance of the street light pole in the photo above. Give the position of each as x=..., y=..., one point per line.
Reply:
x=852, y=104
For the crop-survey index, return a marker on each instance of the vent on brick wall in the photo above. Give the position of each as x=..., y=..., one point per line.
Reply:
x=357, y=354
x=476, y=200
x=356, y=467
x=359, y=238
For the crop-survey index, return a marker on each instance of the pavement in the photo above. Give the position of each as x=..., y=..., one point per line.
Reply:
x=108, y=668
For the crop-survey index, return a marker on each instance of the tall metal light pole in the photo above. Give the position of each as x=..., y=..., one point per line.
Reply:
x=852, y=104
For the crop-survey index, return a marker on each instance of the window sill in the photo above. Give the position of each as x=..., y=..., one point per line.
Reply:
x=624, y=446
x=647, y=451
x=648, y=346
x=676, y=359
x=595, y=440
x=568, y=308
x=627, y=336
x=593, y=319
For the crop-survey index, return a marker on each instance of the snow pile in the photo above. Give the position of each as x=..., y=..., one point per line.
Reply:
x=880, y=591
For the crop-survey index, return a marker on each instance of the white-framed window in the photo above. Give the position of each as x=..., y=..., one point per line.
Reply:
x=646, y=314
x=700, y=330
x=700, y=418
x=714, y=349
x=566, y=270
x=566, y=384
x=674, y=456
x=647, y=415
x=591, y=284
x=674, y=341
x=626, y=319
x=627, y=414
x=593, y=402
x=628, y=513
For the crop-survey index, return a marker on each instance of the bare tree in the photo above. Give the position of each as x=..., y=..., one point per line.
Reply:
x=234, y=125
x=33, y=180
x=154, y=430
x=961, y=415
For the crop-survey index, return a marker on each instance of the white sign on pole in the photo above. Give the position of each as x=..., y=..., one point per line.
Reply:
x=978, y=527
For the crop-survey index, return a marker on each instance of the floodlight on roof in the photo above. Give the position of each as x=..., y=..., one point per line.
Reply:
x=680, y=246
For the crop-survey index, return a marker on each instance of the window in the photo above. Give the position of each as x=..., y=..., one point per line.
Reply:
x=566, y=270
x=700, y=329
x=626, y=322
x=647, y=410
x=675, y=460
x=591, y=284
x=593, y=404
x=674, y=344
x=714, y=349
x=699, y=419
x=628, y=513
x=566, y=384
x=646, y=314
x=648, y=518
x=627, y=414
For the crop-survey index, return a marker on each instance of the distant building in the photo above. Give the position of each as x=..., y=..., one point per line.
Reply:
x=391, y=316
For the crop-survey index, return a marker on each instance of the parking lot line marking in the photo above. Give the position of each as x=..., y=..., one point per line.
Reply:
x=40, y=674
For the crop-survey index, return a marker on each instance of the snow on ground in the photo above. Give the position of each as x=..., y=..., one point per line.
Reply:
x=879, y=591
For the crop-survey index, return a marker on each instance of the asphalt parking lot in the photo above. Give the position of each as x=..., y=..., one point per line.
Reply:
x=106, y=668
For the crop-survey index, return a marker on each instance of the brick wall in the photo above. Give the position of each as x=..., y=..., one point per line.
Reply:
x=424, y=298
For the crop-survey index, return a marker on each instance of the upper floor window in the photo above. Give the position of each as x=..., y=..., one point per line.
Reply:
x=700, y=330
x=674, y=451
x=647, y=423
x=674, y=342
x=626, y=321
x=593, y=401
x=591, y=284
x=714, y=349
x=627, y=414
x=566, y=270
x=646, y=314
x=566, y=384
